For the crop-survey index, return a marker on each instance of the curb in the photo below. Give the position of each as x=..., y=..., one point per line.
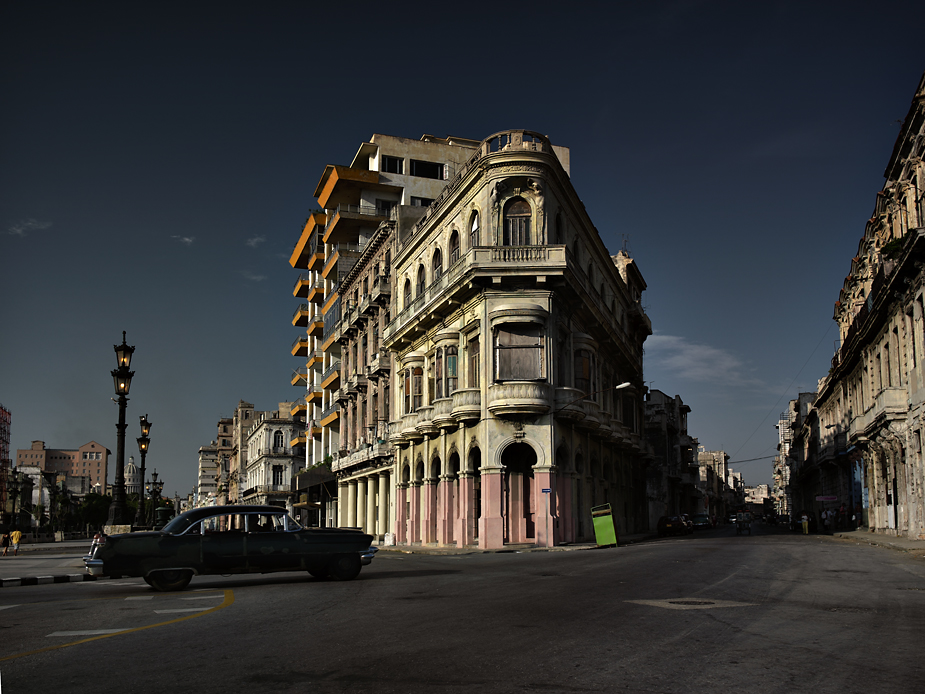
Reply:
x=43, y=580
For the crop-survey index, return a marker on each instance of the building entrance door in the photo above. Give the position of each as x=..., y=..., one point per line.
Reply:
x=519, y=499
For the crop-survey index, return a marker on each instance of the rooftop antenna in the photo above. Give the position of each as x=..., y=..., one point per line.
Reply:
x=626, y=240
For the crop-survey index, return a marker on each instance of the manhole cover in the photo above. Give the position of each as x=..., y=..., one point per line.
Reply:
x=690, y=602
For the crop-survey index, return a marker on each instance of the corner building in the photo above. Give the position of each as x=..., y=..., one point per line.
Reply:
x=494, y=394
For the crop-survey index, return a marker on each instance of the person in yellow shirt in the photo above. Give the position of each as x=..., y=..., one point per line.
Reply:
x=15, y=537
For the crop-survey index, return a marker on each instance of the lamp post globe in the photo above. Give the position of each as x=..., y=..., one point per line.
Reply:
x=122, y=380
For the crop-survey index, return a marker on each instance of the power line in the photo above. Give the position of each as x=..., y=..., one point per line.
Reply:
x=787, y=390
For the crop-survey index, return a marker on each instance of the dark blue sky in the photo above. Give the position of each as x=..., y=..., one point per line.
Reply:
x=157, y=161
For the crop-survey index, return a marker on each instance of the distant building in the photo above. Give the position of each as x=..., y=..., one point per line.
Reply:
x=209, y=475
x=272, y=460
x=673, y=475
x=90, y=460
x=133, y=481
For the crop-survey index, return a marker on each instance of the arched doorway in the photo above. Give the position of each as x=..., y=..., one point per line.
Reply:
x=519, y=509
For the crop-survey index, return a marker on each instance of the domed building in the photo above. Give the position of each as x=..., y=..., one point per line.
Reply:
x=132, y=477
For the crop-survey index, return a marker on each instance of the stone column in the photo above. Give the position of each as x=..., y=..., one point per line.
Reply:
x=491, y=524
x=546, y=511
x=383, y=503
x=361, y=503
x=371, y=501
x=351, y=503
x=342, y=502
x=564, y=505
x=414, y=521
x=445, y=508
x=401, y=513
x=429, y=503
x=464, y=526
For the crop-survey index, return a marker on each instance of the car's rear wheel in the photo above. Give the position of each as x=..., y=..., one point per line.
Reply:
x=345, y=567
x=166, y=581
x=321, y=573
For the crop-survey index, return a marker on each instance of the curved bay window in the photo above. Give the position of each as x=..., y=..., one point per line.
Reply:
x=517, y=214
x=519, y=353
x=451, y=370
x=445, y=372
x=583, y=370
x=413, y=389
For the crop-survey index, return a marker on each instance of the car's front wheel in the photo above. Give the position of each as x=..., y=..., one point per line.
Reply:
x=166, y=581
x=345, y=567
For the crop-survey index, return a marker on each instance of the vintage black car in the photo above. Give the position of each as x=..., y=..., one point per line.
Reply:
x=230, y=540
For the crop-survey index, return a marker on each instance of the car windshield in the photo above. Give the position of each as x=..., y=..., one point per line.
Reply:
x=178, y=524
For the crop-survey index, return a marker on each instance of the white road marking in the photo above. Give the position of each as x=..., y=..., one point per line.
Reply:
x=6, y=607
x=189, y=609
x=205, y=597
x=141, y=597
x=87, y=632
x=691, y=603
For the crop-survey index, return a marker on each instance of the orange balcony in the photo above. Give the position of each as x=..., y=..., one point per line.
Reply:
x=302, y=286
x=330, y=379
x=300, y=377
x=298, y=408
x=298, y=440
x=300, y=346
x=341, y=185
x=308, y=243
x=315, y=294
x=347, y=220
x=313, y=395
x=316, y=325
x=300, y=317
x=329, y=417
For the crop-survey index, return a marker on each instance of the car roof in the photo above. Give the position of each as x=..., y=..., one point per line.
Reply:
x=196, y=514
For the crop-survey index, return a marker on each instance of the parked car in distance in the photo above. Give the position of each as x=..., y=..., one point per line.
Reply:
x=230, y=540
x=688, y=523
x=671, y=525
x=701, y=521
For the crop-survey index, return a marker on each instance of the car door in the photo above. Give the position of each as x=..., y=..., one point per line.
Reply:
x=223, y=544
x=271, y=546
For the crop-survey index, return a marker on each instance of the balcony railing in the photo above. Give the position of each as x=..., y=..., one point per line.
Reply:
x=518, y=398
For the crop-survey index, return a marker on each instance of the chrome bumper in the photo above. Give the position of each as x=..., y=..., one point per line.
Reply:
x=366, y=557
x=94, y=566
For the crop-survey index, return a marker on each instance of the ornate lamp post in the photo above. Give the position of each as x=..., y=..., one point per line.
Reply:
x=143, y=443
x=122, y=379
x=154, y=488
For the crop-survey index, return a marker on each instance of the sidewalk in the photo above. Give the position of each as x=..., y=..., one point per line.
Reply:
x=509, y=549
x=865, y=537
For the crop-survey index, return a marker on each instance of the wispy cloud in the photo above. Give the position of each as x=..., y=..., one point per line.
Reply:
x=252, y=276
x=22, y=228
x=185, y=240
x=255, y=241
x=676, y=357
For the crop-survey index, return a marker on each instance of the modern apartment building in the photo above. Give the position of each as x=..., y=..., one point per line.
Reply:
x=481, y=377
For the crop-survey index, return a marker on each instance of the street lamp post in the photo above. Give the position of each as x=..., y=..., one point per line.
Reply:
x=122, y=379
x=143, y=443
x=154, y=488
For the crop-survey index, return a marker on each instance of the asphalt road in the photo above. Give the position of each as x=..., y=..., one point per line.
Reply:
x=712, y=612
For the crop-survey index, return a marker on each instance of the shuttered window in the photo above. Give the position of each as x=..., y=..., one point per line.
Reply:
x=519, y=353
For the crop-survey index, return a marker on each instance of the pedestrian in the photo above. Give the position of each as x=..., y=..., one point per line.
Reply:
x=805, y=520
x=15, y=537
x=825, y=521
x=5, y=541
x=842, y=517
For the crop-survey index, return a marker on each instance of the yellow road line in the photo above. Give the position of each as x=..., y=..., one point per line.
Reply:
x=229, y=599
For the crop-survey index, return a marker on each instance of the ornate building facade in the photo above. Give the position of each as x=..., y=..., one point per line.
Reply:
x=489, y=386
x=870, y=409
